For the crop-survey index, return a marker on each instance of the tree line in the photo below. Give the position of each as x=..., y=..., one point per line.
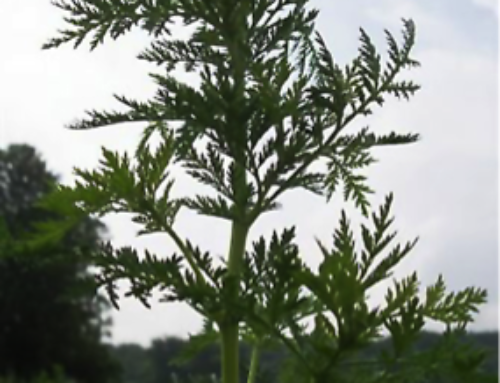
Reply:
x=164, y=360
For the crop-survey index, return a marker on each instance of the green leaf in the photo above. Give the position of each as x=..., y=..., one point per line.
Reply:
x=215, y=207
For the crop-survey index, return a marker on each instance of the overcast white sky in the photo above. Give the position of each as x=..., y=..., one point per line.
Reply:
x=445, y=186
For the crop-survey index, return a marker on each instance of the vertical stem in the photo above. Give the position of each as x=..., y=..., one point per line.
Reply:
x=235, y=22
x=230, y=329
x=230, y=354
x=237, y=246
x=254, y=364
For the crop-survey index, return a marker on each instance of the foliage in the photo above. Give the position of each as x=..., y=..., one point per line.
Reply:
x=135, y=363
x=56, y=376
x=47, y=314
x=141, y=360
x=273, y=104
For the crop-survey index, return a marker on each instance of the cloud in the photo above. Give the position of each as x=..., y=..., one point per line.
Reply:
x=439, y=26
x=490, y=5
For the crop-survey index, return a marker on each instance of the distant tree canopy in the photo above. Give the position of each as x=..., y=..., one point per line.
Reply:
x=48, y=316
x=158, y=363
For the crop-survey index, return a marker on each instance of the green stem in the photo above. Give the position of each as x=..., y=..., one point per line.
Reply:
x=239, y=234
x=235, y=21
x=187, y=254
x=230, y=353
x=254, y=364
x=230, y=328
x=175, y=237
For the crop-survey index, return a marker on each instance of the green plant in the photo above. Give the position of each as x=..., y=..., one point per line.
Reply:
x=56, y=376
x=272, y=103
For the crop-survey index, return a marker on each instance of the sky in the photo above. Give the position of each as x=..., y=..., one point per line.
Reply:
x=445, y=186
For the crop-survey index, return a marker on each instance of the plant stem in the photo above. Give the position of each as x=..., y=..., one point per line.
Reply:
x=230, y=328
x=239, y=234
x=254, y=364
x=230, y=353
x=235, y=20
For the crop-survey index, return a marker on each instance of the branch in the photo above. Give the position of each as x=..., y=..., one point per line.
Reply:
x=179, y=242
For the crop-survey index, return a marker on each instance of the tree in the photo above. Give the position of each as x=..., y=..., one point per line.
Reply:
x=48, y=319
x=272, y=103
x=136, y=366
x=140, y=363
